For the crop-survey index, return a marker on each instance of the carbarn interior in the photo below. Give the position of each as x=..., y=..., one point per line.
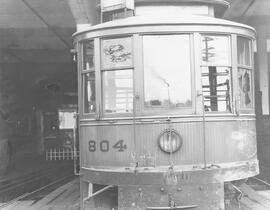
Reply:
x=38, y=77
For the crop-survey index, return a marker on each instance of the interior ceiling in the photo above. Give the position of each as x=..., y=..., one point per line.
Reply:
x=41, y=30
x=36, y=31
x=249, y=11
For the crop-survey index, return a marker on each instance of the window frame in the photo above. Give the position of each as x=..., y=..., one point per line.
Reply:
x=160, y=111
x=83, y=73
x=196, y=64
x=82, y=53
x=103, y=114
x=245, y=110
x=229, y=65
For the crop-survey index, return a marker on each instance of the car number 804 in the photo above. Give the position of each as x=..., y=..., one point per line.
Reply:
x=104, y=146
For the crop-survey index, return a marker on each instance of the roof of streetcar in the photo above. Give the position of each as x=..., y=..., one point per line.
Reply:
x=161, y=20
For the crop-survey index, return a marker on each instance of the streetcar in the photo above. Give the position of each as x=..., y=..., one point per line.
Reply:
x=166, y=108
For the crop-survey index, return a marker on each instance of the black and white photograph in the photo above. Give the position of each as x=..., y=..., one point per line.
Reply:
x=134, y=104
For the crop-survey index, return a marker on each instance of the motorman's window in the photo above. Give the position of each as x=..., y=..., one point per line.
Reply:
x=244, y=72
x=117, y=75
x=167, y=75
x=88, y=77
x=216, y=73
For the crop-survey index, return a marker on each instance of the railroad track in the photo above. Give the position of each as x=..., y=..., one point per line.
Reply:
x=13, y=188
x=39, y=193
x=258, y=184
x=255, y=195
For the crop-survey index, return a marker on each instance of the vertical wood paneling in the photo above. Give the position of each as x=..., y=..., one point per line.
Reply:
x=225, y=142
x=230, y=141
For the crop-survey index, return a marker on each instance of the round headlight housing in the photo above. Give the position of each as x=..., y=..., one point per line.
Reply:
x=170, y=141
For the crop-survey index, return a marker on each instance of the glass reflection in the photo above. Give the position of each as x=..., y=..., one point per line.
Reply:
x=89, y=93
x=167, y=79
x=215, y=50
x=118, y=91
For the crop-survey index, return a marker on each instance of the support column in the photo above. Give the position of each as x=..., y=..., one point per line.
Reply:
x=263, y=68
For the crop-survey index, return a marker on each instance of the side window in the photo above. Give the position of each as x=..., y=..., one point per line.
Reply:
x=216, y=73
x=88, y=77
x=244, y=73
x=117, y=75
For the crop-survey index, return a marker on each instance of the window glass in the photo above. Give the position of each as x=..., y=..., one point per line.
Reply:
x=245, y=88
x=216, y=89
x=167, y=79
x=89, y=92
x=215, y=50
x=118, y=91
x=116, y=53
x=88, y=55
x=244, y=51
x=66, y=119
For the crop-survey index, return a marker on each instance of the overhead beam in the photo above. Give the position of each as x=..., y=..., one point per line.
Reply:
x=248, y=7
x=47, y=24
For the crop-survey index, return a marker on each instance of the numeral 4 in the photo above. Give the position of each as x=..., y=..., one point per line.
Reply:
x=120, y=146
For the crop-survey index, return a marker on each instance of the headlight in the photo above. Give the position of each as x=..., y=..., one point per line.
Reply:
x=170, y=141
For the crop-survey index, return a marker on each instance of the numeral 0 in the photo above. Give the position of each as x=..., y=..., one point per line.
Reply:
x=104, y=146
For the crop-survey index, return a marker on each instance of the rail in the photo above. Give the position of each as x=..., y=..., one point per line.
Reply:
x=55, y=183
x=31, y=181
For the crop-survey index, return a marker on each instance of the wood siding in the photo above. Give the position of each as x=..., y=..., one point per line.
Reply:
x=226, y=141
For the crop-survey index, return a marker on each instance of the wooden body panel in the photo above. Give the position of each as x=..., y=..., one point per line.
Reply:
x=226, y=141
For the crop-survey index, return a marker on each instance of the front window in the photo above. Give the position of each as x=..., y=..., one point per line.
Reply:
x=167, y=75
x=216, y=73
x=244, y=72
x=216, y=88
x=117, y=75
x=116, y=53
x=118, y=91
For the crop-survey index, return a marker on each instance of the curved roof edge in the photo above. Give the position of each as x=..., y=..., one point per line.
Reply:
x=217, y=2
x=168, y=20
